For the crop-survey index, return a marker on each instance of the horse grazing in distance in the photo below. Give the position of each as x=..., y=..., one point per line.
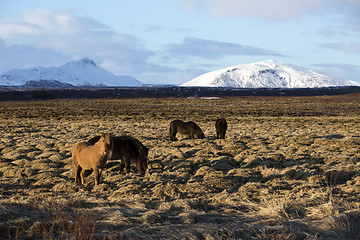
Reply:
x=221, y=127
x=128, y=148
x=86, y=156
x=190, y=128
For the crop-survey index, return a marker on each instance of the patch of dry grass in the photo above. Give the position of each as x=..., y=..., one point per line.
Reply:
x=289, y=168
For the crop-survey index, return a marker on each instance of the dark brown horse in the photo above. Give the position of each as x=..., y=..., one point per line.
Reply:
x=221, y=127
x=189, y=128
x=87, y=156
x=128, y=148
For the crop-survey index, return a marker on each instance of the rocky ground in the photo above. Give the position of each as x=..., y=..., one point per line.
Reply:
x=289, y=168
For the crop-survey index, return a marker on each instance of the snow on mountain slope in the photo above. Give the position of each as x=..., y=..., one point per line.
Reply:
x=266, y=74
x=83, y=72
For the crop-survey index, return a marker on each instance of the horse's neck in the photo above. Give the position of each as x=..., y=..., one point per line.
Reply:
x=99, y=148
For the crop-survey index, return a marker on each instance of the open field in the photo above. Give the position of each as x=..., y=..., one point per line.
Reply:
x=289, y=168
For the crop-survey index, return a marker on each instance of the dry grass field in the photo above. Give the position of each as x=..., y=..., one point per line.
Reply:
x=289, y=168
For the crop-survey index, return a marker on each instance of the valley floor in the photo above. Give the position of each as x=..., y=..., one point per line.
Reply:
x=289, y=168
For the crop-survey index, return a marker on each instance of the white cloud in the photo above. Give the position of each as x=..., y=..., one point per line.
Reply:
x=349, y=47
x=215, y=49
x=269, y=9
x=47, y=37
x=23, y=56
x=342, y=71
x=47, y=22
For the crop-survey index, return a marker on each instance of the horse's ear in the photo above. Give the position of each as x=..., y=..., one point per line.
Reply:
x=106, y=135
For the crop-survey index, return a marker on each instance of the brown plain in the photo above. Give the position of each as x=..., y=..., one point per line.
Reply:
x=289, y=168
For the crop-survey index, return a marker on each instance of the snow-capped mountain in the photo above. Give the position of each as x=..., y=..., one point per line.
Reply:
x=267, y=74
x=82, y=72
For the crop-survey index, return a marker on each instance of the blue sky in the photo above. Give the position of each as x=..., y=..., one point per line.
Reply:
x=173, y=41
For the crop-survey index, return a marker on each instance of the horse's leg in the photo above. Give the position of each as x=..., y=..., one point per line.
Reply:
x=122, y=165
x=82, y=175
x=139, y=166
x=76, y=168
x=144, y=164
x=173, y=133
x=77, y=173
x=127, y=165
x=100, y=173
x=97, y=176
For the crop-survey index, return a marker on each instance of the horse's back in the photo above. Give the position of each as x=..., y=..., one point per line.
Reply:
x=180, y=126
x=82, y=155
x=127, y=145
x=79, y=148
x=192, y=125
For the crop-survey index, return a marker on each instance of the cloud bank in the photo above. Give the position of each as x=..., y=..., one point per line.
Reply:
x=343, y=71
x=349, y=47
x=215, y=49
x=51, y=37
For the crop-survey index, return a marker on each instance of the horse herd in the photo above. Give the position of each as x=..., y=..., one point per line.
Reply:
x=93, y=154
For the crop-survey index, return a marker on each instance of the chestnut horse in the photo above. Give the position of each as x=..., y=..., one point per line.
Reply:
x=91, y=157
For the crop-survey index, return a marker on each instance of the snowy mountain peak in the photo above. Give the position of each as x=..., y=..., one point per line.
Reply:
x=269, y=63
x=266, y=74
x=83, y=72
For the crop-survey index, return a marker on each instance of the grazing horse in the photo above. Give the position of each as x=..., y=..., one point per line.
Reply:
x=190, y=128
x=91, y=157
x=128, y=148
x=221, y=126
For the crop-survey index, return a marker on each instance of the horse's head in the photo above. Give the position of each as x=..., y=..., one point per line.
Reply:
x=105, y=142
x=145, y=159
x=200, y=134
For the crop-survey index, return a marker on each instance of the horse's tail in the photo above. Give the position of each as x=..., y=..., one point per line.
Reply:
x=111, y=150
x=73, y=155
x=172, y=130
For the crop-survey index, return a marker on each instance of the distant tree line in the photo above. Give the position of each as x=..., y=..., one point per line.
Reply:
x=7, y=94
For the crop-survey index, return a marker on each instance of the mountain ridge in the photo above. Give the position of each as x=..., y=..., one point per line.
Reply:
x=83, y=72
x=267, y=74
